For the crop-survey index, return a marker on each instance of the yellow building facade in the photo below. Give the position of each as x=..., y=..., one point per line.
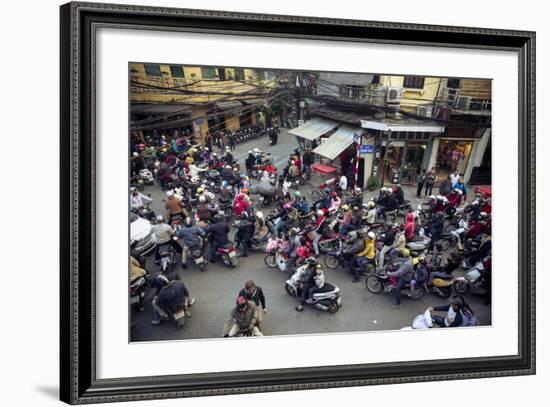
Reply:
x=231, y=92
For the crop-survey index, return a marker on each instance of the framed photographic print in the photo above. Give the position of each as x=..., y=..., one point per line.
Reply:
x=269, y=203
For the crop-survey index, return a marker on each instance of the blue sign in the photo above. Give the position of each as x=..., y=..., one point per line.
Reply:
x=356, y=138
x=198, y=121
x=366, y=148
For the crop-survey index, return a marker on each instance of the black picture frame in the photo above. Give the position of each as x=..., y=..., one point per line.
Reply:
x=78, y=382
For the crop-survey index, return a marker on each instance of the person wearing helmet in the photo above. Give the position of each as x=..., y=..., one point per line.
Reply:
x=218, y=232
x=453, y=199
x=334, y=203
x=174, y=207
x=405, y=273
x=281, y=215
x=260, y=227
x=171, y=294
x=243, y=319
x=318, y=230
x=457, y=313
x=381, y=202
x=249, y=162
x=305, y=275
x=346, y=220
x=240, y=205
x=138, y=200
x=191, y=236
x=254, y=293
x=352, y=245
x=371, y=213
x=399, y=195
x=163, y=236
x=293, y=170
x=435, y=228
x=319, y=283
x=228, y=157
x=245, y=232
x=367, y=255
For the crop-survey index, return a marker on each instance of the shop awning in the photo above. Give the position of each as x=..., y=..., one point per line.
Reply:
x=426, y=127
x=232, y=104
x=314, y=128
x=337, y=142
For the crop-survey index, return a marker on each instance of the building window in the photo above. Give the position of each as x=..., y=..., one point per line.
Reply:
x=152, y=70
x=176, y=71
x=414, y=82
x=239, y=74
x=453, y=83
x=351, y=91
x=221, y=74
x=209, y=73
x=375, y=79
x=268, y=75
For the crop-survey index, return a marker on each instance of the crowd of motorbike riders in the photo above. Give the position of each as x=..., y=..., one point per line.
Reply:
x=399, y=249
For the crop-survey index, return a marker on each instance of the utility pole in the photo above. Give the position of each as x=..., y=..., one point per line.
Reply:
x=388, y=135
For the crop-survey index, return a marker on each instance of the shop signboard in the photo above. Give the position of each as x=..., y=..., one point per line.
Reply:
x=366, y=149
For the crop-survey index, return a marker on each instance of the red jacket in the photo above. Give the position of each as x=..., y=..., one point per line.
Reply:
x=454, y=200
x=240, y=207
x=410, y=226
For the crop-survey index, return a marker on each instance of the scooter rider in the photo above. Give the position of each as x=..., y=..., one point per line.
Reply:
x=171, y=295
x=192, y=239
x=249, y=162
x=174, y=207
x=243, y=319
x=366, y=255
x=405, y=272
x=219, y=236
x=245, y=231
x=163, y=235
x=352, y=246
x=389, y=239
x=306, y=275
x=137, y=199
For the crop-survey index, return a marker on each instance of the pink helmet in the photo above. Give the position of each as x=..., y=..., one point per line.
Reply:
x=287, y=205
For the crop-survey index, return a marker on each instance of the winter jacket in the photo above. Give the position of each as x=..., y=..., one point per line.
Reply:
x=246, y=320
x=162, y=232
x=173, y=205
x=405, y=270
x=389, y=238
x=400, y=241
x=368, y=251
x=171, y=295
x=135, y=270
x=410, y=226
x=258, y=296
x=190, y=235
x=218, y=232
x=354, y=246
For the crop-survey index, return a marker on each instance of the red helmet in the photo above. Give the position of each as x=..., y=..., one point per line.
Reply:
x=334, y=194
x=242, y=302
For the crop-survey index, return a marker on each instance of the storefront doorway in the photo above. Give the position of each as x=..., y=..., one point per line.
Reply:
x=452, y=155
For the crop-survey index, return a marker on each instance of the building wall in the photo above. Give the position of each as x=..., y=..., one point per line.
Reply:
x=412, y=98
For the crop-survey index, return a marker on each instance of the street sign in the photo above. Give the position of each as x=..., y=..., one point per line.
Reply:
x=366, y=148
x=356, y=138
x=198, y=121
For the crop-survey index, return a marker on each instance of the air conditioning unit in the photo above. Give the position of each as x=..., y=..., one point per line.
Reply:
x=425, y=111
x=463, y=102
x=394, y=95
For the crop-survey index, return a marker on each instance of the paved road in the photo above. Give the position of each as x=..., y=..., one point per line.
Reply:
x=216, y=289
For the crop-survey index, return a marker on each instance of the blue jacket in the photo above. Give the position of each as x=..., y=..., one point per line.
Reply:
x=190, y=235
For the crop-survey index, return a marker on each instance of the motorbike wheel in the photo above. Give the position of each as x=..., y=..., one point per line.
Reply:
x=461, y=287
x=445, y=292
x=270, y=261
x=333, y=308
x=331, y=261
x=417, y=294
x=290, y=290
x=374, y=285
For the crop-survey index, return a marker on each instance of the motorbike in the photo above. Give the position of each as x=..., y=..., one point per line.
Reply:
x=146, y=176
x=176, y=221
x=177, y=314
x=167, y=257
x=146, y=212
x=404, y=209
x=328, y=298
x=380, y=282
x=228, y=255
x=196, y=255
x=336, y=258
x=137, y=293
x=274, y=257
x=473, y=280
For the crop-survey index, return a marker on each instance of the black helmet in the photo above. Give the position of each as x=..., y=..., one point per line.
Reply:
x=311, y=261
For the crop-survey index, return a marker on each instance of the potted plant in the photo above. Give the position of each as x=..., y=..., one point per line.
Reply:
x=373, y=183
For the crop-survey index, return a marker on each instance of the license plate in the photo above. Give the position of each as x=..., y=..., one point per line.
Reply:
x=261, y=199
x=179, y=315
x=199, y=260
x=232, y=254
x=134, y=299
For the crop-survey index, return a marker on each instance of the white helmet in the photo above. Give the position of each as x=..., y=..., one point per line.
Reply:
x=249, y=151
x=169, y=193
x=132, y=189
x=320, y=212
x=228, y=166
x=292, y=162
x=202, y=199
x=160, y=219
x=135, y=154
x=475, y=202
x=206, y=148
x=371, y=235
x=483, y=214
x=431, y=197
x=357, y=190
x=459, y=192
x=214, y=154
x=259, y=215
